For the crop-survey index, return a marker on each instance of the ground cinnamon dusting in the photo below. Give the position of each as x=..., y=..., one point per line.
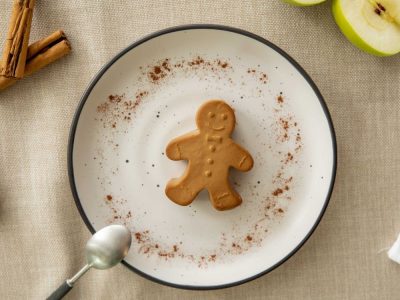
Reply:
x=138, y=237
x=260, y=75
x=115, y=98
x=119, y=107
x=160, y=71
x=288, y=158
x=277, y=192
x=165, y=68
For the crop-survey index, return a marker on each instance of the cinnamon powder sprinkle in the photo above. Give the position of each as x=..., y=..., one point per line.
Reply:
x=166, y=68
x=121, y=107
x=159, y=71
x=115, y=98
x=138, y=237
x=277, y=192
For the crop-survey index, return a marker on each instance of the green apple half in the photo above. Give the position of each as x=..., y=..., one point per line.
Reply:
x=371, y=25
x=304, y=2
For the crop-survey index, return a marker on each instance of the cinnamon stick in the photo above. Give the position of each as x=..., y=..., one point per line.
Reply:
x=41, y=54
x=38, y=46
x=16, y=45
x=46, y=51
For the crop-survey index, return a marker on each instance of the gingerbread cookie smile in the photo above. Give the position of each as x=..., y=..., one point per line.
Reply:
x=210, y=153
x=219, y=128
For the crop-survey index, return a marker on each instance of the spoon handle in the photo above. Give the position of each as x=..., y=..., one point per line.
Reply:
x=68, y=284
x=60, y=292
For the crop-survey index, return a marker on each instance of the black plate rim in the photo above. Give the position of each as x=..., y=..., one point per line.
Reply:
x=194, y=27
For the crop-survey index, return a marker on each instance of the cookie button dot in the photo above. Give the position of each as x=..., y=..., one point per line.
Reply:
x=208, y=173
x=212, y=148
x=210, y=161
x=224, y=116
x=211, y=114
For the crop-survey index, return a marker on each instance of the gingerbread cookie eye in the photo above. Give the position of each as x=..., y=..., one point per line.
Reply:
x=211, y=114
x=224, y=116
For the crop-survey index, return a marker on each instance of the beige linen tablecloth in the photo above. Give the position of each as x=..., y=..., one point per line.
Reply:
x=42, y=236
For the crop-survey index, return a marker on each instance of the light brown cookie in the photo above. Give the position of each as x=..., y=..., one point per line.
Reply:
x=210, y=153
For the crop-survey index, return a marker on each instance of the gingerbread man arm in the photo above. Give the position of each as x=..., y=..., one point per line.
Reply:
x=240, y=158
x=179, y=147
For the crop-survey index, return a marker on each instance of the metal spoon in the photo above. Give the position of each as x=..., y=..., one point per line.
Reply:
x=105, y=249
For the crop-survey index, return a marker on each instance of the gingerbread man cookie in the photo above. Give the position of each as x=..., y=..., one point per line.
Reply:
x=210, y=153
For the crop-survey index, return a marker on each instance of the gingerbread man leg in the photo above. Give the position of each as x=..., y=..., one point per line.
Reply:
x=183, y=190
x=223, y=196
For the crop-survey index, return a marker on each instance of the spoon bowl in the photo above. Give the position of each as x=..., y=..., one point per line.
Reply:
x=108, y=246
x=105, y=249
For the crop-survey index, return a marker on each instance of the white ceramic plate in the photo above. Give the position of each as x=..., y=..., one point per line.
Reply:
x=148, y=94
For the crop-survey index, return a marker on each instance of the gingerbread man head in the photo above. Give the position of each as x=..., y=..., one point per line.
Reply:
x=216, y=117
